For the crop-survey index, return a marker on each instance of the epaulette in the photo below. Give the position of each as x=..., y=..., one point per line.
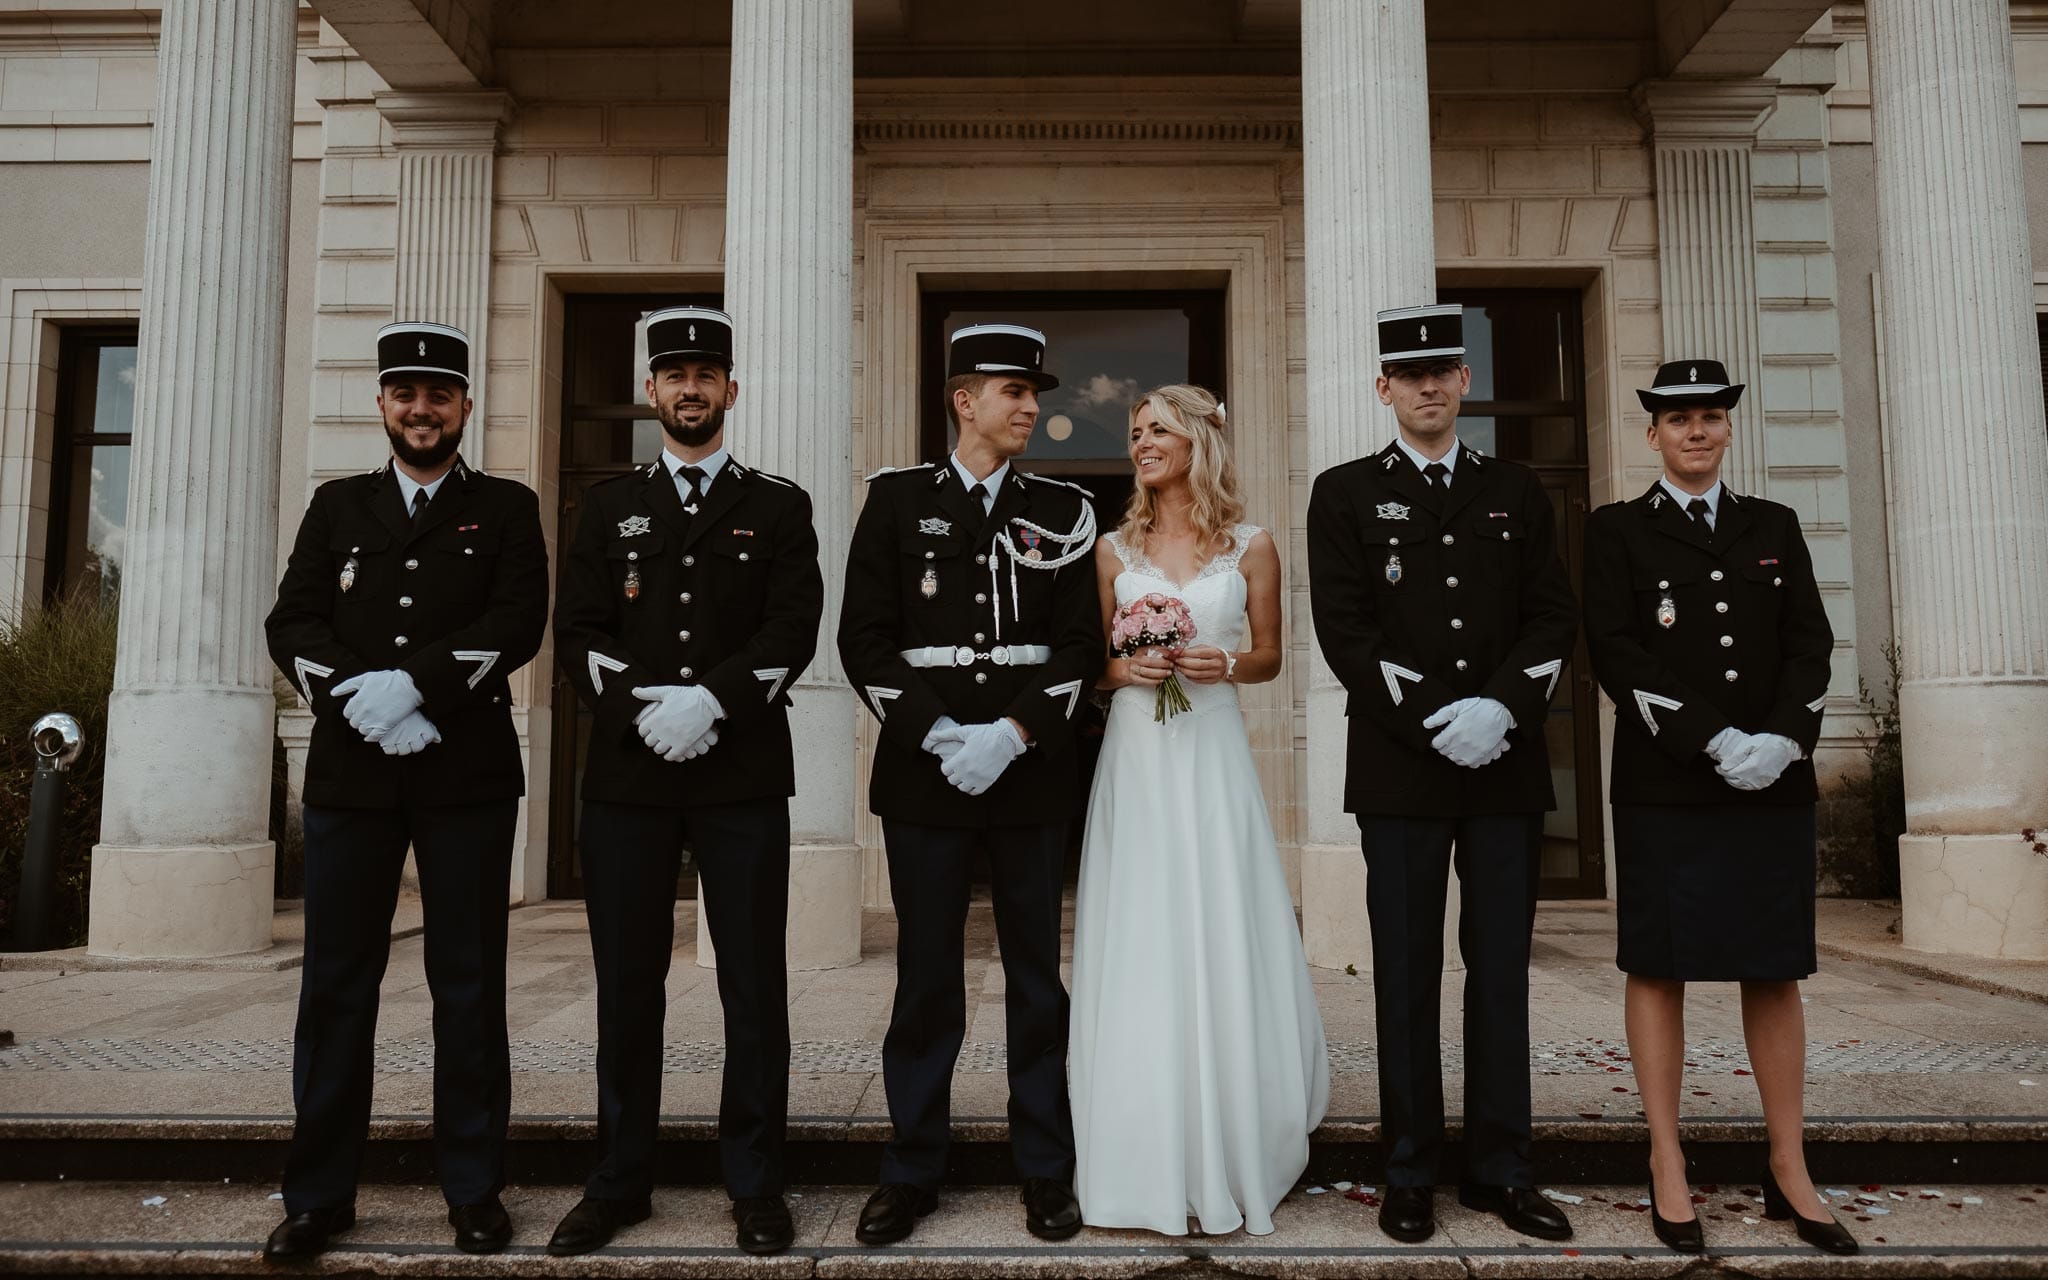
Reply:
x=889, y=471
x=1068, y=484
x=765, y=475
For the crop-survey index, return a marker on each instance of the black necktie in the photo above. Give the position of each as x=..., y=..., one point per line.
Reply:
x=1438, y=475
x=1697, y=509
x=985, y=494
x=695, y=475
x=420, y=499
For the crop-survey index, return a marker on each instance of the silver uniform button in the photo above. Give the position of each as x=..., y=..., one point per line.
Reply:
x=1715, y=575
x=689, y=561
x=981, y=677
x=981, y=597
x=1450, y=582
x=682, y=635
x=979, y=637
x=400, y=641
x=1777, y=582
x=352, y=550
x=981, y=559
x=1720, y=606
x=1663, y=584
x=1461, y=664
x=683, y=598
x=1727, y=641
x=1729, y=675
x=405, y=602
x=632, y=555
x=1457, y=624
x=687, y=672
x=412, y=564
x=931, y=555
x=1448, y=539
x=469, y=551
x=743, y=555
x=1393, y=542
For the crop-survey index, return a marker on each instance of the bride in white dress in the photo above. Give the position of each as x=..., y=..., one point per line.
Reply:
x=1197, y=1066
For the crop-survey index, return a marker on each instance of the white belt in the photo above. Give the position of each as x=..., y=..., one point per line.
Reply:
x=1003, y=655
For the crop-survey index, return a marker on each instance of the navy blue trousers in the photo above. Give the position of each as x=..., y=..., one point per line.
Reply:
x=354, y=858
x=1407, y=864
x=632, y=855
x=930, y=875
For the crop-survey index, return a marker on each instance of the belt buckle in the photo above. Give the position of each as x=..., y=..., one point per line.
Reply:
x=1000, y=655
x=963, y=656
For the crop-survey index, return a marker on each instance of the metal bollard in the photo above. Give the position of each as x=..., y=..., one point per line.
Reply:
x=58, y=741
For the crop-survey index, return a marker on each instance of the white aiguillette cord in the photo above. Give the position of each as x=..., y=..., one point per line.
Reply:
x=1079, y=542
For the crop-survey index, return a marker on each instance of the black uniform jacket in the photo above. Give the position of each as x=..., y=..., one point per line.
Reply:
x=1692, y=632
x=923, y=518
x=1417, y=605
x=729, y=599
x=458, y=604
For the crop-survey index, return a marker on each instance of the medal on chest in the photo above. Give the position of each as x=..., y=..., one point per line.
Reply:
x=1031, y=539
x=1393, y=569
x=348, y=574
x=928, y=585
x=1667, y=612
x=631, y=587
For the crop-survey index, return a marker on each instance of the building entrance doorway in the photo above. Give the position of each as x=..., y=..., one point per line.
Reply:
x=608, y=429
x=1528, y=405
x=1107, y=347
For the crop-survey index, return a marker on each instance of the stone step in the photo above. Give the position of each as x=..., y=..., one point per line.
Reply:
x=554, y=1150
x=214, y=1229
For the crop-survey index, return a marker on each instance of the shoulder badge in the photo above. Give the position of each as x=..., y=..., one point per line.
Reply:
x=1066, y=484
x=890, y=471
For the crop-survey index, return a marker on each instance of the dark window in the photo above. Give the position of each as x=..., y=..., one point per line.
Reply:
x=89, y=460
x=608, y=428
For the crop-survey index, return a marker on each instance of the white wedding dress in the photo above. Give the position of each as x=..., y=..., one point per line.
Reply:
x=1196, y=1062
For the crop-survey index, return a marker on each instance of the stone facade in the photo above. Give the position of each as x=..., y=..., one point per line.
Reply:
x=1693, y=195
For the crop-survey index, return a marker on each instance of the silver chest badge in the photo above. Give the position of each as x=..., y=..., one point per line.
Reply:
x=1393, y=570
x=1667, y=612
x=348, y=574
x=935, y=526
x=1391, y=511
x=634, y=526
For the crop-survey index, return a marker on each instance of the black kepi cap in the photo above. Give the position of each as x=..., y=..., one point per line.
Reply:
x=689, y=333
x=997, y=349
x=1683, y=383
x=418, y=346
x=1422, y=333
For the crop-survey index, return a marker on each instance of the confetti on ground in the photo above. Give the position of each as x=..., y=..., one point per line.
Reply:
x=1877, y=1211
x=1317, y=1191
x=1749, y=1222
x=1973, y=1199
x=154, y=1202
x=1341, y=1186
x=1834, y=1192
x=275, y=1195
x=1563, y=1197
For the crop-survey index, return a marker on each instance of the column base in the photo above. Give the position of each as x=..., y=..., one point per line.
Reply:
x=1336, y=931
x=180, y=902
x=824, y=910
x=1974, y=895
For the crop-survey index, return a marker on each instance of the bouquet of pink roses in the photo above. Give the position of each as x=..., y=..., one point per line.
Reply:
x=1159, y=621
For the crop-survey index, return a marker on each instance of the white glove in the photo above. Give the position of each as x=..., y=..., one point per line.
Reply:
x=412, y=734
x=701, y=745
x=382, y=699
x=675, y=718
x=985, y=751
x=1725, y=742
x=1757, y=763
x=944, y=740
x=1477, y=732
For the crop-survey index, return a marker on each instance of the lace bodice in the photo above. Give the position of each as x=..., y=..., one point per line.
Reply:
x=1215, y=598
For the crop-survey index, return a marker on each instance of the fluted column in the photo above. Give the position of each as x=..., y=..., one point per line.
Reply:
x=1970, y=461
x=184, y=863
x=789, y=286
x=447, y=145
x=1704, y=138
x=1370, y=245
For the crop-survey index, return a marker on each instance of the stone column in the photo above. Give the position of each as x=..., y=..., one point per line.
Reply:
x=789, y=286
x=1370, y=245
x=1971, y=468
x=1704, y=135
x=184, y=863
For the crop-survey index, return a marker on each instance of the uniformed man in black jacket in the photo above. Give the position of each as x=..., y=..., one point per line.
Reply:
x=689, y=607
x=972, y=630
x=412, y=595
x=1440, y=603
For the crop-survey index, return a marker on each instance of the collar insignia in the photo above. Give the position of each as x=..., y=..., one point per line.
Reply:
x=634, y=526
x=934, y=525
x=1656, y=500
x=1391, y=511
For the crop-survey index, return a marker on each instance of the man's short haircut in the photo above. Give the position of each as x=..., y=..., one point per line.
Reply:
x=971, y=383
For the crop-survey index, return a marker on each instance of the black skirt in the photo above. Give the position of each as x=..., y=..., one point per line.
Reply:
x=1715, y=893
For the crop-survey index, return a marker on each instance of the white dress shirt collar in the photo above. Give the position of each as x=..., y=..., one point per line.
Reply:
x=711, y=466
x=407, y=486
x=1450, y=460
x=1683, y=499
x=994, y=479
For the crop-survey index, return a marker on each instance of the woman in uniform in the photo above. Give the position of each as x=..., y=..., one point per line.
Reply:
x=1705, y=626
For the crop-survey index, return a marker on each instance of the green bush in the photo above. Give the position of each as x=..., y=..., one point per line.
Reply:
x=57, y=657
x=1886, y=754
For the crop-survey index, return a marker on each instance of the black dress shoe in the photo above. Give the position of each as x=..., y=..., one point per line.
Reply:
x=764, y=1225
x=591, y=1224
x=1520, y=1208
x=892, y=1211
x=481, y=1228
x=1408, y=1214
x=1830, y=1236
x=302, y=1235
x=1686, y=1237
x=1050, y=1210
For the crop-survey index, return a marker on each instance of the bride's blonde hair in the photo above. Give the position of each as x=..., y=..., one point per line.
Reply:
x=1196, y=416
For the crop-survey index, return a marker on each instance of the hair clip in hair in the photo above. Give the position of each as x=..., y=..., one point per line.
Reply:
x=1221, y=416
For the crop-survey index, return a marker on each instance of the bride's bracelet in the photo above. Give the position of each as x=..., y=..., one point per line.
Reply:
x=1229, y=667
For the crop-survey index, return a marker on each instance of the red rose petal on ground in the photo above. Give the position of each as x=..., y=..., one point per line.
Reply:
x=1621, y=1088
x=1590, y=1115
x=1571, y=1253
x=1741, y=1071
x=1701, y=1093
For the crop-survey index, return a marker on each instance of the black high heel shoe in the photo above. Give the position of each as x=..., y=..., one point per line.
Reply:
x=1829, y=1237
x=1686, y=1237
